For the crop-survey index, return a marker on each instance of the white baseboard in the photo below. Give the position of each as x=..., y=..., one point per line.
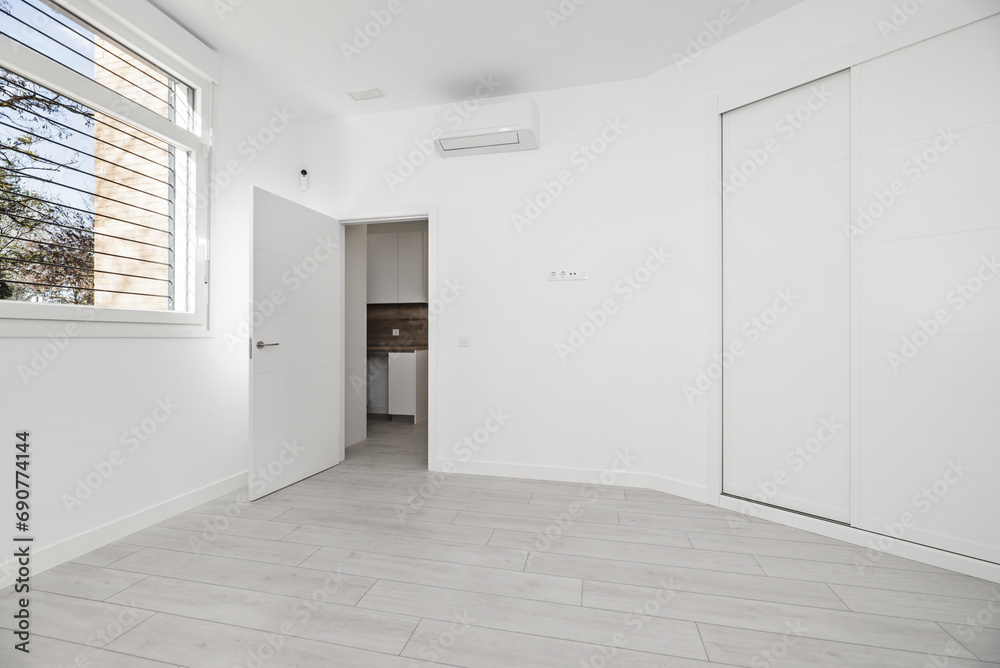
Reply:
x=79, y=545
x=921, y=553
x=583, y=476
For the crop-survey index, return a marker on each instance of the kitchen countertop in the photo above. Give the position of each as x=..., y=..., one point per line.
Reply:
x=395, y=349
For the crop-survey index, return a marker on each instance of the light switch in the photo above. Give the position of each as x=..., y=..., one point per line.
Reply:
x=395, y=332
x=464, y=340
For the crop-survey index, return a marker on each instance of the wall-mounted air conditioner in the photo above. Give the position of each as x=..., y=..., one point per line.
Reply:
x=495, y=127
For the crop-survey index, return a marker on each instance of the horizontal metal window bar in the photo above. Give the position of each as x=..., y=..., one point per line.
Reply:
x=96, y=157
x=88, y=270
x=91, y=155
x=77, y=113
x=88, y=231
x=84, y=211
x=86, y=289
x=96, y=64
x=95, y=194
x=88, y=132
x=84, y=172
x=85, y=57
x=83, y=250
x=57, y=16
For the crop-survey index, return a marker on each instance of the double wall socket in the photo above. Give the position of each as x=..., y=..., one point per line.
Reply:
x=569, y=275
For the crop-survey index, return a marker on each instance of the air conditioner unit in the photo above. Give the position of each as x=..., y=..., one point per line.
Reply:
x=495, y=127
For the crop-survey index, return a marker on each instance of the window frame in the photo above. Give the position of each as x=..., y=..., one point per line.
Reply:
x=150, y=34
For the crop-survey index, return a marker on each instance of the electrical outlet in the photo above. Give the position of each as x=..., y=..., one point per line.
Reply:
x=395, y=332
x=569, y=275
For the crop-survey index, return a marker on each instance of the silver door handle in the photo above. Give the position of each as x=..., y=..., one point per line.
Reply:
x=261, y=345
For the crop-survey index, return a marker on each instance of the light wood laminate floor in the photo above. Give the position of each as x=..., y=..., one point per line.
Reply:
x=376, y=563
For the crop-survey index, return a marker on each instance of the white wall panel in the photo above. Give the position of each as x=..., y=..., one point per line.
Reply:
x=787, y=299
x=942, y=192
x=949, y=80
x=814, y=219
x=930, y=297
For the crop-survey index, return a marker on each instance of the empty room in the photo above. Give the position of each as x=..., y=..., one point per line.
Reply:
x=482, y=334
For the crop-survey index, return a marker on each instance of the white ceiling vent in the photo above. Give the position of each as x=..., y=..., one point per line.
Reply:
x=362, y=95
x=495, y=127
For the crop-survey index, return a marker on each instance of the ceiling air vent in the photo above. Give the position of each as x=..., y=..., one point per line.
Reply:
x=495, y=127
x=362, y=95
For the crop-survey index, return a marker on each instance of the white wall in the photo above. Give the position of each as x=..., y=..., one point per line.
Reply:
x=356, y=333
x=81, y=406
x=623, y=389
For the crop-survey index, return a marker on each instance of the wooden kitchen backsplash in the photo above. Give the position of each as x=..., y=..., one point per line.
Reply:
x=409, y=319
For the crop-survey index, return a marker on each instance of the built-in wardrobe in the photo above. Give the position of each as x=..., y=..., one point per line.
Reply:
x=861, y=295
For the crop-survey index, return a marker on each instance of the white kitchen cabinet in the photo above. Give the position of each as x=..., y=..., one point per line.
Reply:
x=383, y=271
x=397, y=268
x=411, y=272
x=408, y=384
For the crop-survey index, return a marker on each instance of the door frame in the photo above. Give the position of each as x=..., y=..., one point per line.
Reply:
x=429, y=213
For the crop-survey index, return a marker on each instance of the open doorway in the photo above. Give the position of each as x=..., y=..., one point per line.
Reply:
x=387, y=342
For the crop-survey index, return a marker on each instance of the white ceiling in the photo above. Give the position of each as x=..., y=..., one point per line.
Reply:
x=435, y=51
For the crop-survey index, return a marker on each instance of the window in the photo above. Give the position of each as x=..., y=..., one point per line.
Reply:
x=99, y=171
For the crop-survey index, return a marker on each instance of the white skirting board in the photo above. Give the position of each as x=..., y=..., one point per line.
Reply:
x=877, y=544
x=919, y=553
x=583, y=476
x=89, y=541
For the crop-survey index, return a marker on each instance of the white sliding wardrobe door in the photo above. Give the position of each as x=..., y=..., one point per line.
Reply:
x=930, y=291
x=786, y=394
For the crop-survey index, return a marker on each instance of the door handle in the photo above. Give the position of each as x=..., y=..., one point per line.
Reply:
x=261, y=345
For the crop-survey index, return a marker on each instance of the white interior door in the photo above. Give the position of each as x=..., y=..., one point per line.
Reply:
x=787, y=306
x=296, y=401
